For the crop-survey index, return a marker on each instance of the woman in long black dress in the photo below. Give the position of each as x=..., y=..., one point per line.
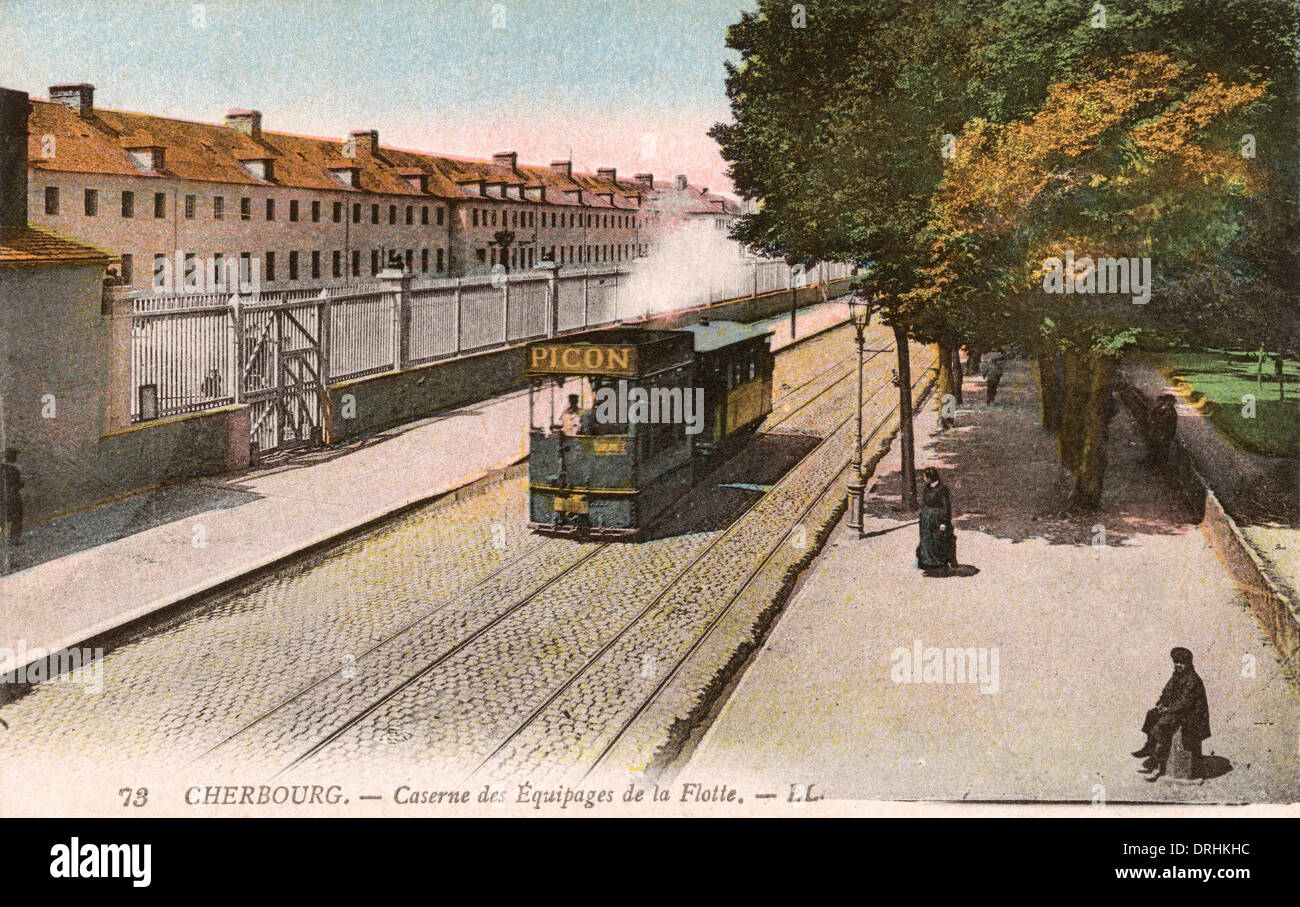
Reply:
x=938, y=548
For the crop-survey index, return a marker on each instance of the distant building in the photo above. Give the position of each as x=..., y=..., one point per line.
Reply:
x=185, y=201
x=671, y=205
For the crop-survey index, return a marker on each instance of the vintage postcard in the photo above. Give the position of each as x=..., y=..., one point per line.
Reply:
x=552, y=408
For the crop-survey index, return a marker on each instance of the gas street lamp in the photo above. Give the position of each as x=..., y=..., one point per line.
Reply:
x=860, y=315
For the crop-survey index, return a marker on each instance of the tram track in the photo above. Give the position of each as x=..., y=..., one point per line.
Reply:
x=556, y=691
x=630, y=625
x=814, y=388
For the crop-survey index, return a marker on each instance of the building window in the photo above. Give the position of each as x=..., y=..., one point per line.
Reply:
x=440, y=260
x=356, y=213
x=474, y=212
x=92, y=202
x=424, y=215
x=245, y=209
x=514, y=218
x=494, y=218
x=409, y=258
x=293, y=210
x=128, y=269
x=160, y=204
x=270, y=209
x=392, y=214
x=494, y=256
x=293, y=265
x=337, y=263
x=190, y=268
x=374, y=214
x=482, y=255
x=315, y=212
x=270, y=266
x=440, y=213
x=245, y=268
x=356, y=262
x=128, y=204
x=315, y=265
x=410, y=214
x=424, y=261
x=338, y=212
x=51, y=200
x=159, y=271
x=191, y=205
x=374, y=261
x=218, y=208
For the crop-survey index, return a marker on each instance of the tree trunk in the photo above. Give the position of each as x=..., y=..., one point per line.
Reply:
x=1051, y=390
x=1086, y=411
x=1279, y=369
x=957, y=377
x=943, y=385
x=907, y=444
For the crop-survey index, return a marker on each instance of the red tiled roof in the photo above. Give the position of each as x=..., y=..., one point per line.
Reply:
x=36, y=246
x=215, y=152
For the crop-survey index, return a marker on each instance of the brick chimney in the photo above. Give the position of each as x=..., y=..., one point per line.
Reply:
x=366, y=142
x=506, y=159
x=80, y=97
x=645, y=179
x=607, y=174
x=680, y=183
x=248, y=122
x=563, y=168
x=14, y=111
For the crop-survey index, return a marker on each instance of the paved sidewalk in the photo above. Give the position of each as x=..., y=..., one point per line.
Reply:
x=92, y=571
x=1261, y=493
x=1082, y=634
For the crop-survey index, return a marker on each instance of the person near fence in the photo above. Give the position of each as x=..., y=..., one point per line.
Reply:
x=1182, y=704
x=992, y=378
x=937, y=550
x=571, y=418
x=1162, y=428
x=11, y=484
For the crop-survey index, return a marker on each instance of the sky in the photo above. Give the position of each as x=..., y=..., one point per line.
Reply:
x=632, y=84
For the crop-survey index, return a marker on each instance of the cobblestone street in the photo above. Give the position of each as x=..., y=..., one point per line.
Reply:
x=451, y=642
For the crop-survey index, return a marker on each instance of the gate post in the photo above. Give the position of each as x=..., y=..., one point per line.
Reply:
x=397, y=283
x=553, y=301
x=505, y=309
x=586, y=295
x=455, y=320
x=237, y=346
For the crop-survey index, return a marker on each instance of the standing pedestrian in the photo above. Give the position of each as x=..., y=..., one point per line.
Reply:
x=11, y=483
x=938, y=547
x=1182, y=704
x=1162, y=430
x=992, y=378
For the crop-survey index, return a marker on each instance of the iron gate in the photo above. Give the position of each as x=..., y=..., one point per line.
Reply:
x=280, y=375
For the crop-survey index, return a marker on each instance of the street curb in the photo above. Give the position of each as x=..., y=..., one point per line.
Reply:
x=704, y=682
x=162, y=613
x=1273, y=606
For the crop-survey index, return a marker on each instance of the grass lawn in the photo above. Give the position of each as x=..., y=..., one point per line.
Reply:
x=1222, y=378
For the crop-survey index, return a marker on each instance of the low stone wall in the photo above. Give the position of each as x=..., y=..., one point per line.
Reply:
x=148, y=455
x=1272, y=606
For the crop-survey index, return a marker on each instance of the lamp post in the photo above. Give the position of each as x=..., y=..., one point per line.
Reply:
x=860, y=315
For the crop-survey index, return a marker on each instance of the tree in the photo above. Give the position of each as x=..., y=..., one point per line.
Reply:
x=837, y=134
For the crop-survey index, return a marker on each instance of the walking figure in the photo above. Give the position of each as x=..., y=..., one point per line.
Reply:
x=11, y=483
x=938, y=547
x=1162, y=430
x=1182, y=704
x=993, y=377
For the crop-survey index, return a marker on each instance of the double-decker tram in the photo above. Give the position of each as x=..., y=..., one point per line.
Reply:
x=625, y=420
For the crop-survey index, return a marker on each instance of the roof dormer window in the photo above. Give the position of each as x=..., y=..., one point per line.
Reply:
x=347, y=176
x=259, y=168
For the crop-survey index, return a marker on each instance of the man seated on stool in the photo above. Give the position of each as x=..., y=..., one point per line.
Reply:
x=1182, y=704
